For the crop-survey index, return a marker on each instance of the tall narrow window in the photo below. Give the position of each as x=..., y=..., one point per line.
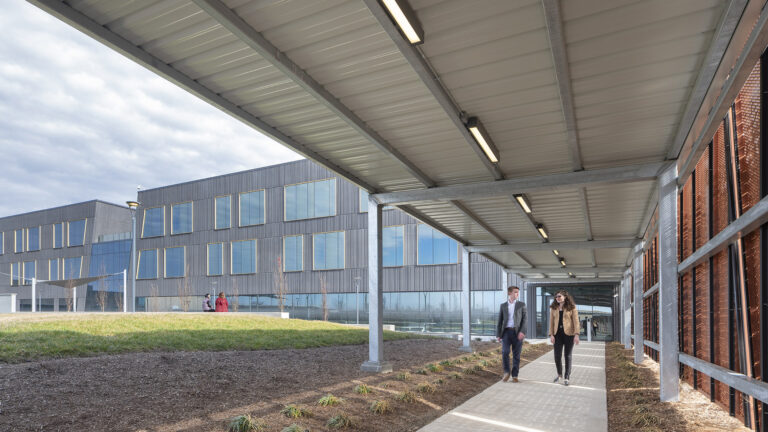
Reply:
x=222, y=216
x=147, y=264
x=33, y=239
x=435, y=247
x=244, y=257
x=154, y=222
x=181, y=218
x=18, y=241
x=76, y=233
x=73, y=267
x=58, y=235
x=293, y=249
x=310, y=200
x=328, y=250
x=252, y=208
x=215, y=259
x=53, y=269
x=2, y=243
x=174, y=262
x=392, y=246
x=15, y=274
x=29, y=272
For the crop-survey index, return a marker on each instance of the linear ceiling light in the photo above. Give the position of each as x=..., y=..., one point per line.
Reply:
x=562, y=262
x=556, y=252
x=542, y=231
x=483, y=139
x=571, y=275
x=406, y=20
x=523, y=201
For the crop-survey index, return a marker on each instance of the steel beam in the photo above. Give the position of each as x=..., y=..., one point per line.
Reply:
x=466, y=302
x=547, y=182
x=573, y=281
x=668, y=277
x=736, y=380
x=228, y=19
x=470, y=214
x=522, y=247
x=637, y=285
x=565, y=270
x=650, y=291
x=653, y=345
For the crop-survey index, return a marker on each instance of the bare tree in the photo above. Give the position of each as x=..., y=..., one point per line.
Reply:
x=235, y=304
x=279, y=288
x=101, y=293
x=184, y=290
x=119, y=301
x=154, y=293
x=324, y=292
x=70, y=293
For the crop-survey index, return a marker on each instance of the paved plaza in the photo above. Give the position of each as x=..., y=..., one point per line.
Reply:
x=535, y=404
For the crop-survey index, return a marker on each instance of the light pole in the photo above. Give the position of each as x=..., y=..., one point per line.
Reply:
x=133, y=205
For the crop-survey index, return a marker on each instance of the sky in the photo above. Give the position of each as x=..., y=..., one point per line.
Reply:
x=78, y=121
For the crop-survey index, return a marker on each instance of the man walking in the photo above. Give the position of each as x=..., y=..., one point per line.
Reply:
x=510, y=331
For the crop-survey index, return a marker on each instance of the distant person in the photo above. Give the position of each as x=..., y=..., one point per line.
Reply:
x=222, y=305
x=207, y=304
x=594, y=328
x=563, y=331
x=510, y=331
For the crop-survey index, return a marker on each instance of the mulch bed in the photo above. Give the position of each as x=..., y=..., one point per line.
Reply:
x=633, y=400
x=202, y=391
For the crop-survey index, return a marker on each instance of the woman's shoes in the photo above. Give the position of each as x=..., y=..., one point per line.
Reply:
x=557, y=378
x=565, y=382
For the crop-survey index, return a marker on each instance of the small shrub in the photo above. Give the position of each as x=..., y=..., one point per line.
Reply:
x=465, y=358
x=422, y=372
x=386, y=384
x=484, y=353
x=362, y=389
x=454, y=375
x=403, y=376
x=457, y=362
x=469, y=371
x=476, y=368
x=339, y=421
x=483, y=363
x=380, y=407
x=292, y=411
x=446, y=363
x=439, y=381
x=406, y=396
x=425, y=388
x=245, y=423
x=434, y=368
x=329, y=400
x=294, y=428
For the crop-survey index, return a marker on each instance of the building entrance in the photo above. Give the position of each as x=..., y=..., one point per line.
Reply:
x=594, y=303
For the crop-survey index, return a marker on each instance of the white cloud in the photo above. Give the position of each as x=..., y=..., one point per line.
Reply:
x=79, y=121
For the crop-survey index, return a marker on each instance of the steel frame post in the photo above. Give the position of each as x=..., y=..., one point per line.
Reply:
x=466, y=302
x=34, y=293
x=669, y=365
x=627, y=312
x=375, y=361
x=637, y=284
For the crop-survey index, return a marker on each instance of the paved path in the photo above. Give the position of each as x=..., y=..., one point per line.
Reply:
x=535, y=403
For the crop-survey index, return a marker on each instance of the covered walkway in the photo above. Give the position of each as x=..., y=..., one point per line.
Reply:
x=532, y=404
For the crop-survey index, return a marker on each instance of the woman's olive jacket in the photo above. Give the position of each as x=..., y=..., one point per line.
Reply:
x=571, y=325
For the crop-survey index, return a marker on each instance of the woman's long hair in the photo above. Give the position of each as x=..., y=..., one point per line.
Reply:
x=568, y=304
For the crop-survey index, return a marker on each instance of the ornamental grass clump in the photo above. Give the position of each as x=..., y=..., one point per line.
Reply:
x=483, y=363
x=339, y=421
x=469, y=371
x=246, y=423
x=362, y=389
x=380, y=407
x=439, y=381
x=294, y=428
x=446, y=363
x=329, y=400
x=425, y=388
x=454, y=375
x=406, y=396
x=403, y=376
x=484, y=354
x=422, y=371
x=292, y=411
x=434, y=368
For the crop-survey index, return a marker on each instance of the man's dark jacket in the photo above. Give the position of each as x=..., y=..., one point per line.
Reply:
x=519, y=318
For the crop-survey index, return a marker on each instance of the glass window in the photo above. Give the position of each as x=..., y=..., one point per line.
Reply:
x=222, y=216
x=328, y=250
x=293, y=249
x=15, y=274
x=72, y=267
x=53, y=269
x=215, y=259
x=435, y=247
x=310, y=200
x=33, y=239
x=252, y=208
x=174, y=262
x=29, y=272
x=244, y=257
x=147, y=264
x=18, y=241
x=392, y=246
x=2, y=243
x=181, y=218
x=154, y=222
x=58, y=235
x=76, y=233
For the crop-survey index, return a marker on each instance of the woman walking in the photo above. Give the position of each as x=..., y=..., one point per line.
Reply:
x=222, y=305
x=563, y=331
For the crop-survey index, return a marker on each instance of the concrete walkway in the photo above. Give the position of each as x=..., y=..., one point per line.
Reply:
x=535, y=403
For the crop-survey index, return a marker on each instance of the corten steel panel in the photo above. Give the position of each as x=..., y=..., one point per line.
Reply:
x=686, y=279
x=701, y=272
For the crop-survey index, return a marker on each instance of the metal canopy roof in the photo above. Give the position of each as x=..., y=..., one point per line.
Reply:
x=585, y=100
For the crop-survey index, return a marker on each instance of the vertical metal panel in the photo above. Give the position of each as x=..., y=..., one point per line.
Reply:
x=375, y=361
x=466, y=300
x=668, y=358
x=637, y=277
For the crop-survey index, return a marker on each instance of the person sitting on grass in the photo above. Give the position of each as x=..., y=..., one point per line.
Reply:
x=222, y=305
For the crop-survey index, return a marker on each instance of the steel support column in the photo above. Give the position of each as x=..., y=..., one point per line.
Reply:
x=626, y=312
x=668, y=277
x=466, y=302
x=375, y=361
x=637, y=285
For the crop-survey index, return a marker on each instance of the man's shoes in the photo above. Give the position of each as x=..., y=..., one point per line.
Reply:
x=514, y=379
x=506, y=377
x=557, y=378
x=565, y=382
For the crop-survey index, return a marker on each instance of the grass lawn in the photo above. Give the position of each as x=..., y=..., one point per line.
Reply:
x=26, y=337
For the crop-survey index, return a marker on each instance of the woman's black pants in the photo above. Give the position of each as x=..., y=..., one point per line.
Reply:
x=563, y=340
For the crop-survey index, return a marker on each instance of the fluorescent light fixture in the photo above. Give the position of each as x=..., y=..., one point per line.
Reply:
x=483, y=139
x=542, y=231
x=132, y=204
x=556, y=252
x=406, y=20
x=562, y=262
x=571, y=275
x=523, y=201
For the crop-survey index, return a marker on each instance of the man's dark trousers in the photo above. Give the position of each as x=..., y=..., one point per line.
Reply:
x=510, y=342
